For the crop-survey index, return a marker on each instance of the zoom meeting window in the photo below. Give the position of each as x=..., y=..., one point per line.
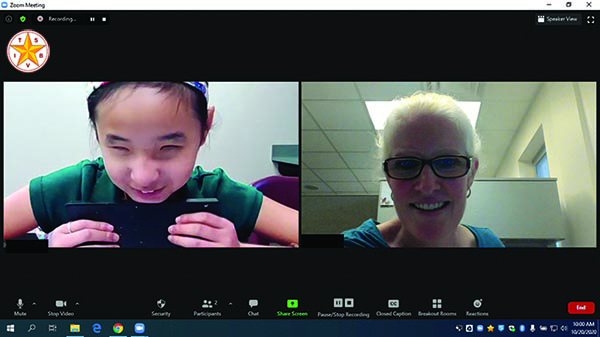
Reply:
x=311, y=131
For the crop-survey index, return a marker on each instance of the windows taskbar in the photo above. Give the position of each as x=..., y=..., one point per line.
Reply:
x=291, y=328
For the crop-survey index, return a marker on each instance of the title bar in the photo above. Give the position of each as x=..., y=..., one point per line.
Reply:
x=301, y=5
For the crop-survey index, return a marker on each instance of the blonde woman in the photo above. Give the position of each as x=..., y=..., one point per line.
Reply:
x=430, y=156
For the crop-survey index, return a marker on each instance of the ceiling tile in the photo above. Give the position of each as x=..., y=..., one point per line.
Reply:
x=371, y=187
x=329, y=90
x=361, y=159
x=369, y=174
x=315, y=141
x=308, y=188
x=353, y=140
x=308, y=123
x=387, y=91
x=330, y=175
x=346, y=187
x=322, y=160
x=308, y=175
x=340, y=115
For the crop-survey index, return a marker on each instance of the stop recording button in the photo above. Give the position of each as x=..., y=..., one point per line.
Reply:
x=581, y=307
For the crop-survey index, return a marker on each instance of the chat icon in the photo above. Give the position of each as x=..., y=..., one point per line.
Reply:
x=253, y=303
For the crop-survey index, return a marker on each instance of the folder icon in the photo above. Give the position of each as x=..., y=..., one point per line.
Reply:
x=75, y=328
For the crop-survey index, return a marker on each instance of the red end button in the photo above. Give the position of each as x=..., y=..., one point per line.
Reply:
x=581, y=307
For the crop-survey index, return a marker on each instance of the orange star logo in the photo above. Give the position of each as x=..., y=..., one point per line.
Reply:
x=28, y=51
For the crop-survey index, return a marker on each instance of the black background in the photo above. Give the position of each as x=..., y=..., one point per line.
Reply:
x=310, y=46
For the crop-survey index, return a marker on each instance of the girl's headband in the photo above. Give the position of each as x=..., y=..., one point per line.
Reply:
x=200, y=86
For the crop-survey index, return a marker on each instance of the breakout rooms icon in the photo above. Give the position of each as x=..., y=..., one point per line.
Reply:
x=28, y=51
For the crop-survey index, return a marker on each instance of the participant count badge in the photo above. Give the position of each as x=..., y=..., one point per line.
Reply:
x=28, y=51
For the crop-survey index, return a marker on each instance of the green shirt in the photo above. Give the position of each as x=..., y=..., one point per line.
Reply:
x=88, y=181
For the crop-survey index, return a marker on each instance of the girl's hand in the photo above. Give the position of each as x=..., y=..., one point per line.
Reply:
x=203, y=230
x=77, y=232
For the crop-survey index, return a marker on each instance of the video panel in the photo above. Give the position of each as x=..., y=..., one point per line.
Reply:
x=450, y=164
x=151, y=164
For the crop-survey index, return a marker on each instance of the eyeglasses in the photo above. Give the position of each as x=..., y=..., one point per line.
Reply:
x=406, y=168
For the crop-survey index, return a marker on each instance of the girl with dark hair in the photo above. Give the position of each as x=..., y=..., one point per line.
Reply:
x=149, y=134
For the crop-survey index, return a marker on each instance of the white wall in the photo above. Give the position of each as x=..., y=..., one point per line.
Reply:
x=46, y=128
x=566, y=111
